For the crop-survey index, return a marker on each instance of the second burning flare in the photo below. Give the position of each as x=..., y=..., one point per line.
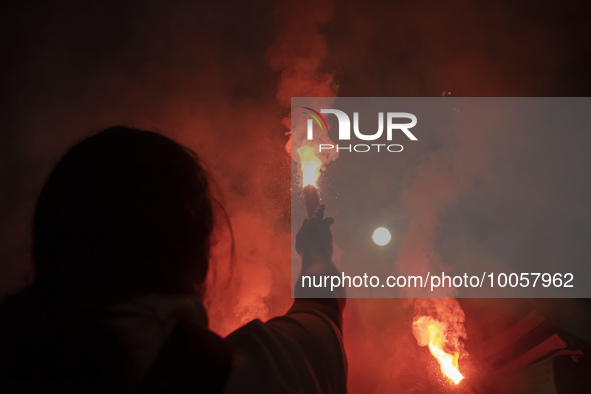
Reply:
x=431, y=332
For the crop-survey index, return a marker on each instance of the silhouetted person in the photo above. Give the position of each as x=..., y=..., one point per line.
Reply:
x=121, y=241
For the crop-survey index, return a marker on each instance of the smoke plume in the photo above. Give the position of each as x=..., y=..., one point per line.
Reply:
x=219, y=78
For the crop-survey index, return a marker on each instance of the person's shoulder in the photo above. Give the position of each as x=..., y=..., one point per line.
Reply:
x=295, y=324
x=301, y=351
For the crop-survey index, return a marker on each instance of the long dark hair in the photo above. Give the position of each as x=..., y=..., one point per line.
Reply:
x=124, y=212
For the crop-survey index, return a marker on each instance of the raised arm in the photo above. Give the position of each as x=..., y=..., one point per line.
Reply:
x=314, y=245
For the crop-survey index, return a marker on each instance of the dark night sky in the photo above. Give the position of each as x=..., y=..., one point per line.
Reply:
x=203, y=73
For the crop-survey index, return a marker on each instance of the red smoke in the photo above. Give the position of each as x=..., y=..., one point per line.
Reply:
x=299, y=53
x=220, y=81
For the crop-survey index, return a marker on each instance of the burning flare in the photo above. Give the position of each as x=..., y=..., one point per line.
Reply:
x=429, y=331
x=449, y=363
x=310, y=165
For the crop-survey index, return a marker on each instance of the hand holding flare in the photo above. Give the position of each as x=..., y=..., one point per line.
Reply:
x=314, y=240
x=310, y=172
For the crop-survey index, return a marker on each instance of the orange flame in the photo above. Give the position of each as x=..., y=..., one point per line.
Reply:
x=426, y=326
x=449, y=363
x=310, y=165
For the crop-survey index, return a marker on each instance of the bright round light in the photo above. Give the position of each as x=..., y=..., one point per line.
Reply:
x=381, y=236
